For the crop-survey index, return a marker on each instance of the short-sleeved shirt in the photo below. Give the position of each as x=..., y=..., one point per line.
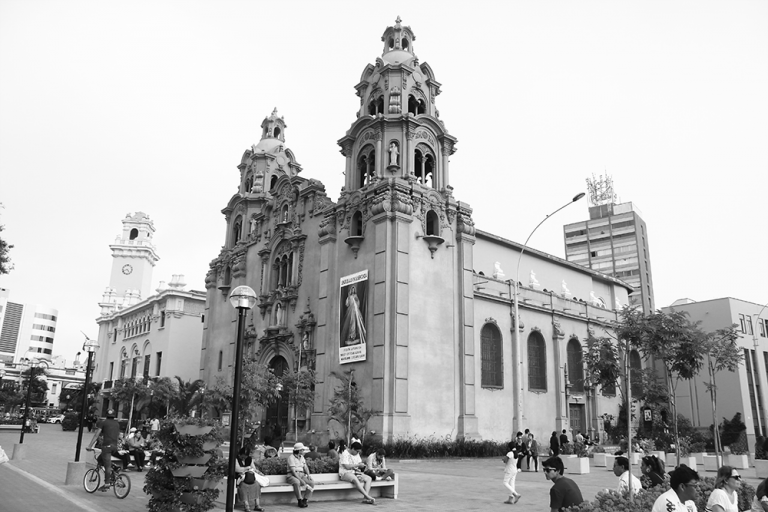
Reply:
x=669, y=502
x=563, y=439
x=110, y=430
x=624, y=483
x=333, y=454
x=720, y=497
x=511, y=467
x=348, y=458
x=565, y=493
x=373, y=462
x=297, y=463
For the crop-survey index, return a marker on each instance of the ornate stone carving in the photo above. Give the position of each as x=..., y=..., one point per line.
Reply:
x=394, y=100
x=210, y=279
x=465, y=224
x=557, y=331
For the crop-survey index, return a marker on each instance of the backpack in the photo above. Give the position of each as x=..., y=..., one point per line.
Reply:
x=249, y=478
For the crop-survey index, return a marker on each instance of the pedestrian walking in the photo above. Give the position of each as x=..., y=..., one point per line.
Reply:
x=519, y=446
x=563, y=440
x=510, y=474
x=554, y=445
x=564, y=493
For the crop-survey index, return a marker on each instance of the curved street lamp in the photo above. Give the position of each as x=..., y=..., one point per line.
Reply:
x=516, y=331
x=89, y=346
x=242, y=298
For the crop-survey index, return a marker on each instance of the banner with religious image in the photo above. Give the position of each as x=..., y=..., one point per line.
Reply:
x=353, y=305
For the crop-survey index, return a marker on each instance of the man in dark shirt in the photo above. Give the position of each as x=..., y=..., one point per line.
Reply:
x=312, y=453
x=563, y=440
x=565, y=493
x=109, y=430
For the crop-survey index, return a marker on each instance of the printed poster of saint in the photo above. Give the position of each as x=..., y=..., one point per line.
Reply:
x=353, y=305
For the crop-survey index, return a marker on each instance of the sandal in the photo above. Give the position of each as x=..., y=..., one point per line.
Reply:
x=369, y=502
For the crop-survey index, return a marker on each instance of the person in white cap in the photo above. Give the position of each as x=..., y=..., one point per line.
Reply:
x=298, y=475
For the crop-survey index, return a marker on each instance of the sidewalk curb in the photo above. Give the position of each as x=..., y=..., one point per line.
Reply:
x=61, y=492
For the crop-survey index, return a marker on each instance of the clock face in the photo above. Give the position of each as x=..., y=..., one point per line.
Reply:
x=127, y=269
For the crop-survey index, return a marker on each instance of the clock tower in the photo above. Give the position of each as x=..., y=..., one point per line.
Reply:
x=133, y=256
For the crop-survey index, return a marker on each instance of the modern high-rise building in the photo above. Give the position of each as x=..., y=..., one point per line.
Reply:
x=25, y=327
x=613, y=241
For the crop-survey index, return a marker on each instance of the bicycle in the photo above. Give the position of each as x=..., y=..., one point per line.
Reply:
x=119, y=482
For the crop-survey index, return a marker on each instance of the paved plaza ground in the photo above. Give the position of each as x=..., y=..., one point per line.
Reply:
x=430, y=485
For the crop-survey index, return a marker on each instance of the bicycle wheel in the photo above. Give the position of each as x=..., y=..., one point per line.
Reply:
x=91, y=480
x=122, y=486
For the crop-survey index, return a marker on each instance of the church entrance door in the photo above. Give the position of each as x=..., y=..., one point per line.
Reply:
x=277, y=413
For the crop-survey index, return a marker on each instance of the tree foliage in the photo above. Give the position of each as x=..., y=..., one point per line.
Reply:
x=5, y=248
x=347, y=408
x=76, y=396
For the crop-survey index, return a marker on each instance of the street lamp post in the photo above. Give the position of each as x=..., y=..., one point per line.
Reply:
x=242, y=298
x=31, y=363
x=90, y=346
x=519, y=373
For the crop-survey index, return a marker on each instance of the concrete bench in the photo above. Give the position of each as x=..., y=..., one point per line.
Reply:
x=17, y=428
x=118, y=461
x=328, y=487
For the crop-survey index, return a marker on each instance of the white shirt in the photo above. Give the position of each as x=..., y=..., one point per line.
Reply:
x=720, y=497
x=348, y=458
x=511, y=467
x=669, y=502
x=155, y=425
x=624, y=483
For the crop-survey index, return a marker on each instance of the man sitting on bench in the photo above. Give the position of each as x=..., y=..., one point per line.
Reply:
x=351, y=469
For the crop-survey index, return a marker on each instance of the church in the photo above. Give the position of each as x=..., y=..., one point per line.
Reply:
x=394, y=281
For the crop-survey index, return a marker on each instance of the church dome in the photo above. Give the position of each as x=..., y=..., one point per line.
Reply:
x=267, y=145
x=398, y=44
x=397, y=57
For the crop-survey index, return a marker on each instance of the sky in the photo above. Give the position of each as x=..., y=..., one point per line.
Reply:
x=111, y=107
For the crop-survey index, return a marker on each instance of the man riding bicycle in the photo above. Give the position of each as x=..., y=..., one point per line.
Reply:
x=109, y=430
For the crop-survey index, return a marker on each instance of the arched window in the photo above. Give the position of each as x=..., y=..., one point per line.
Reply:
x=413, y=105
x=356, y=226
x=237, y=230
x=424, y=166
x=380, y=105
x=227, y=276
x=492, y=369
x=433, y=223
x=366, y=166
x=575, y=366
x=537, y=362
x=248, y=184
x=272, y=182
x=635, y=373
x=277, y=133
x=134, y=234
x=290, y=269
x=405, y=44
x=391, y=43
x=421, y=107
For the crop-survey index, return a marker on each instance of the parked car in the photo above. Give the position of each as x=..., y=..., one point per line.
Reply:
x=56, y=418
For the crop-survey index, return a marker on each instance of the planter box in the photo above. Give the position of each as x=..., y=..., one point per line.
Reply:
x=195, y=460
x=190, y=471
x=712, y=462
x=578, y=465
x=671, y=459
x=210, y=445
x=192, y=430
x=699, y=457
x=661, y=455
x=761, y=468
x=689, y=461
x=609, y=460
x=738, y=461
x=202, y=484
x=598, y=460
x=190, y=498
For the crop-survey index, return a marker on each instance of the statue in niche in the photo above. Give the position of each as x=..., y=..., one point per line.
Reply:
x=393, y=153
x=305, y=341
x=279, y=314
x=254, y=223
x=497, y=272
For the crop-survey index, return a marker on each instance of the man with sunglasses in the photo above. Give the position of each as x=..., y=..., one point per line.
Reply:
x=565, y=493
x=682, y=496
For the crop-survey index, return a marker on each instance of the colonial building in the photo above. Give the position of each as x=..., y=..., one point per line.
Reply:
x=141, y=335
x=394, y=281
x=745, y=389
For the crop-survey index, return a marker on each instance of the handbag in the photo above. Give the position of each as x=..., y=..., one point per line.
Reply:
x=262, y=480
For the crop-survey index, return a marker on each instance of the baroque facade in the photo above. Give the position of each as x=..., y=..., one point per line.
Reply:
x=394, y=281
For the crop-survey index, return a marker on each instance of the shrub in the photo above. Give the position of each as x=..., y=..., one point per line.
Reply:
x=740, y=446
x=71, y=421
x=732, y=429
x=437, y=447
x=760, y=452
x=598, y=449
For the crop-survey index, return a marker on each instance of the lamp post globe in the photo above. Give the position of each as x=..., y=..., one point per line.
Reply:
x=242, y=298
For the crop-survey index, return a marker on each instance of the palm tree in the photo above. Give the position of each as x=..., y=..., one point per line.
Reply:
x=188, y=396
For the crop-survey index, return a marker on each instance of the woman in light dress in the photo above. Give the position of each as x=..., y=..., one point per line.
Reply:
x=725, y=498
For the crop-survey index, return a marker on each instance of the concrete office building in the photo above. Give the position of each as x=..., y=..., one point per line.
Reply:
x=394, y=281
x=25, y=327
x=742, y=391
x=144, y=335
x=614, y=241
